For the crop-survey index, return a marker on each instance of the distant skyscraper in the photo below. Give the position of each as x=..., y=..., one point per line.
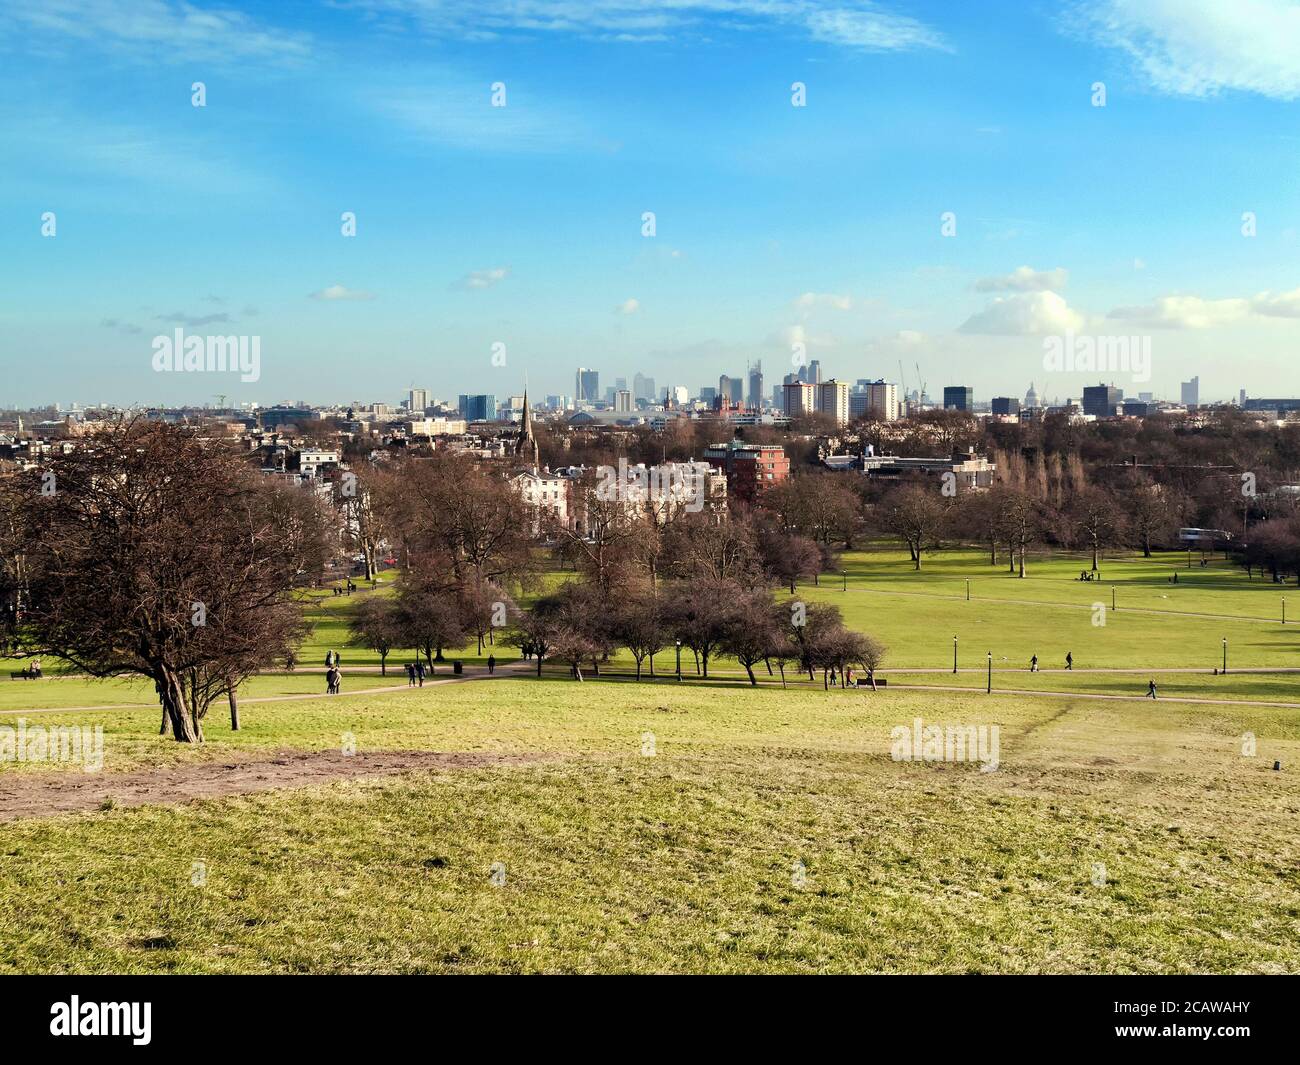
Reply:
x=1102, y=401
x=724, y=387
x=1004, y=405
x=417, y=399
x=1241, y=400
x=1191, y=392
x=643, y=387
x=814, y=372
x=586, y=385
x=481, y=408
x=958, y=397
x=756, y=385
x=623, y=401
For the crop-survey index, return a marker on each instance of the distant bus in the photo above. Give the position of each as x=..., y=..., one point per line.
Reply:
x=1202, y=536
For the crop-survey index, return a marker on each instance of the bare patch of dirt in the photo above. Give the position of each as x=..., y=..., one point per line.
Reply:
x=24, y=795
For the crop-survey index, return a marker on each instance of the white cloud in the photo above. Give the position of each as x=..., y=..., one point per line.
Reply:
x=809, y=300
x=860, y=24
x=1184, y=312
x=1201, y=47
x=339, y=292
x=1277, y=304
x=158, y=30
x=484, y=278
x=1024, y=314
x=1024, y=279
x=629, y=306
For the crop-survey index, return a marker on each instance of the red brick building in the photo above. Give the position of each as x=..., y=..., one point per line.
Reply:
x=750, y=468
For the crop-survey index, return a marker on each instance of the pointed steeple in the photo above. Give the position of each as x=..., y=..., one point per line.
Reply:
x=526, y=442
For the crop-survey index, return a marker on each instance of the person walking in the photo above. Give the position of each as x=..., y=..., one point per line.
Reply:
x=1151, y=689
x=331, y=681
x=1069, y=660
x=419, y=672
x=329, y=659
x=492, y=664
x=410, y=674
x=1033, y=664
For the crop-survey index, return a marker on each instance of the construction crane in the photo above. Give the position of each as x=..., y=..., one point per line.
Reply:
x=221, y=400
x=921, y=396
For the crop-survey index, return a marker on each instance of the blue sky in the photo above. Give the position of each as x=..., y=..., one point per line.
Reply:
x=522, y=224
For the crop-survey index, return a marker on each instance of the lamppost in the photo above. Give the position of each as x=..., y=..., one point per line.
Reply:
x=968, y=589
x=954, y=654
x=679, y=659
x=989, y=689
x=1284, y=610
x=845, y=574
x=1225, y=654
x=1112, y=598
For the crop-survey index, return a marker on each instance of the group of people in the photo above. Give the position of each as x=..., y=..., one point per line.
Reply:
x=333, y=675
x=415, y=674
x=350, y=589
x=1084, y=575
x=1069, y=662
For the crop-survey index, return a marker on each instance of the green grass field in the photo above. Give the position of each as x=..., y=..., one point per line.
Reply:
x=770, y=831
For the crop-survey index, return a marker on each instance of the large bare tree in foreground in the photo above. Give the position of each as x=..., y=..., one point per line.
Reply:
x=153, y=553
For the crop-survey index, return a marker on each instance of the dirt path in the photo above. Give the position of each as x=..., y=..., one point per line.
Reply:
x=31, y=795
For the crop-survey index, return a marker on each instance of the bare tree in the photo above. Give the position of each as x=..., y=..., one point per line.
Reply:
x=158, y=554
x=916, y=516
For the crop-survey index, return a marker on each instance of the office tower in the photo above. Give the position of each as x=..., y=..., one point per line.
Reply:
x=708, y=395
x=1005, y=405
x=737, y=395
x=586, y=385
x=1102, y=401
x=778, y=396
x=417, y=399
x=724, y=388
x=1191, y=392
x=681, y=395
x=623, y=401
x=958, y=397
x=1241, y=399
x=480, y=408
x=859, y=403
x=643, y=387
x=756, y=385
x=800, y=398
x=1146, y=397
x=832, y=399
x=814, y=372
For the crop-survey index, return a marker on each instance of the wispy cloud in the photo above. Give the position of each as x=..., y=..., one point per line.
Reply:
x=1200, y=47
x=483, y=278
x=1024, y=314
x=337, y=292
x=158, y=31
x=1024, y=279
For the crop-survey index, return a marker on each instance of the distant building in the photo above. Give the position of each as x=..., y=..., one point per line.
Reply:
x=958, y=397
x=799, y=398
x=481, y=408
x=1190, y=392
x=756, y=385
x=972, y=472
x=1005, y=405
x=586, y=385
x=417, y=399
x=1278, y=406
x=546, y=496
x=750, y=469
x=1138, y=408
x=832, y=399
x=1031, y=397
x=1102, y=401
x=623, y=401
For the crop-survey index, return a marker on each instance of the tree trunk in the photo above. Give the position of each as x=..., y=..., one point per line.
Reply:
x=638, y=669
x=752, y=679
x=234, y=708
x=383, y=663
x=781, y=667
x=185, y=728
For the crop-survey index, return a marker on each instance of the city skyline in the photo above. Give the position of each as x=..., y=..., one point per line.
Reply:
x=494, y=242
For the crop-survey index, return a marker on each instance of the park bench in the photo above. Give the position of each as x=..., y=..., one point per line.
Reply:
x=23, y=674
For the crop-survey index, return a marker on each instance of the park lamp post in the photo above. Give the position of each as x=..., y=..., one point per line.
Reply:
x=989, y=689
x=954, y=654
x=968, y=589
x=679, y=659
x=1225, y=654
x=845, y=575
x=1284, y=610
